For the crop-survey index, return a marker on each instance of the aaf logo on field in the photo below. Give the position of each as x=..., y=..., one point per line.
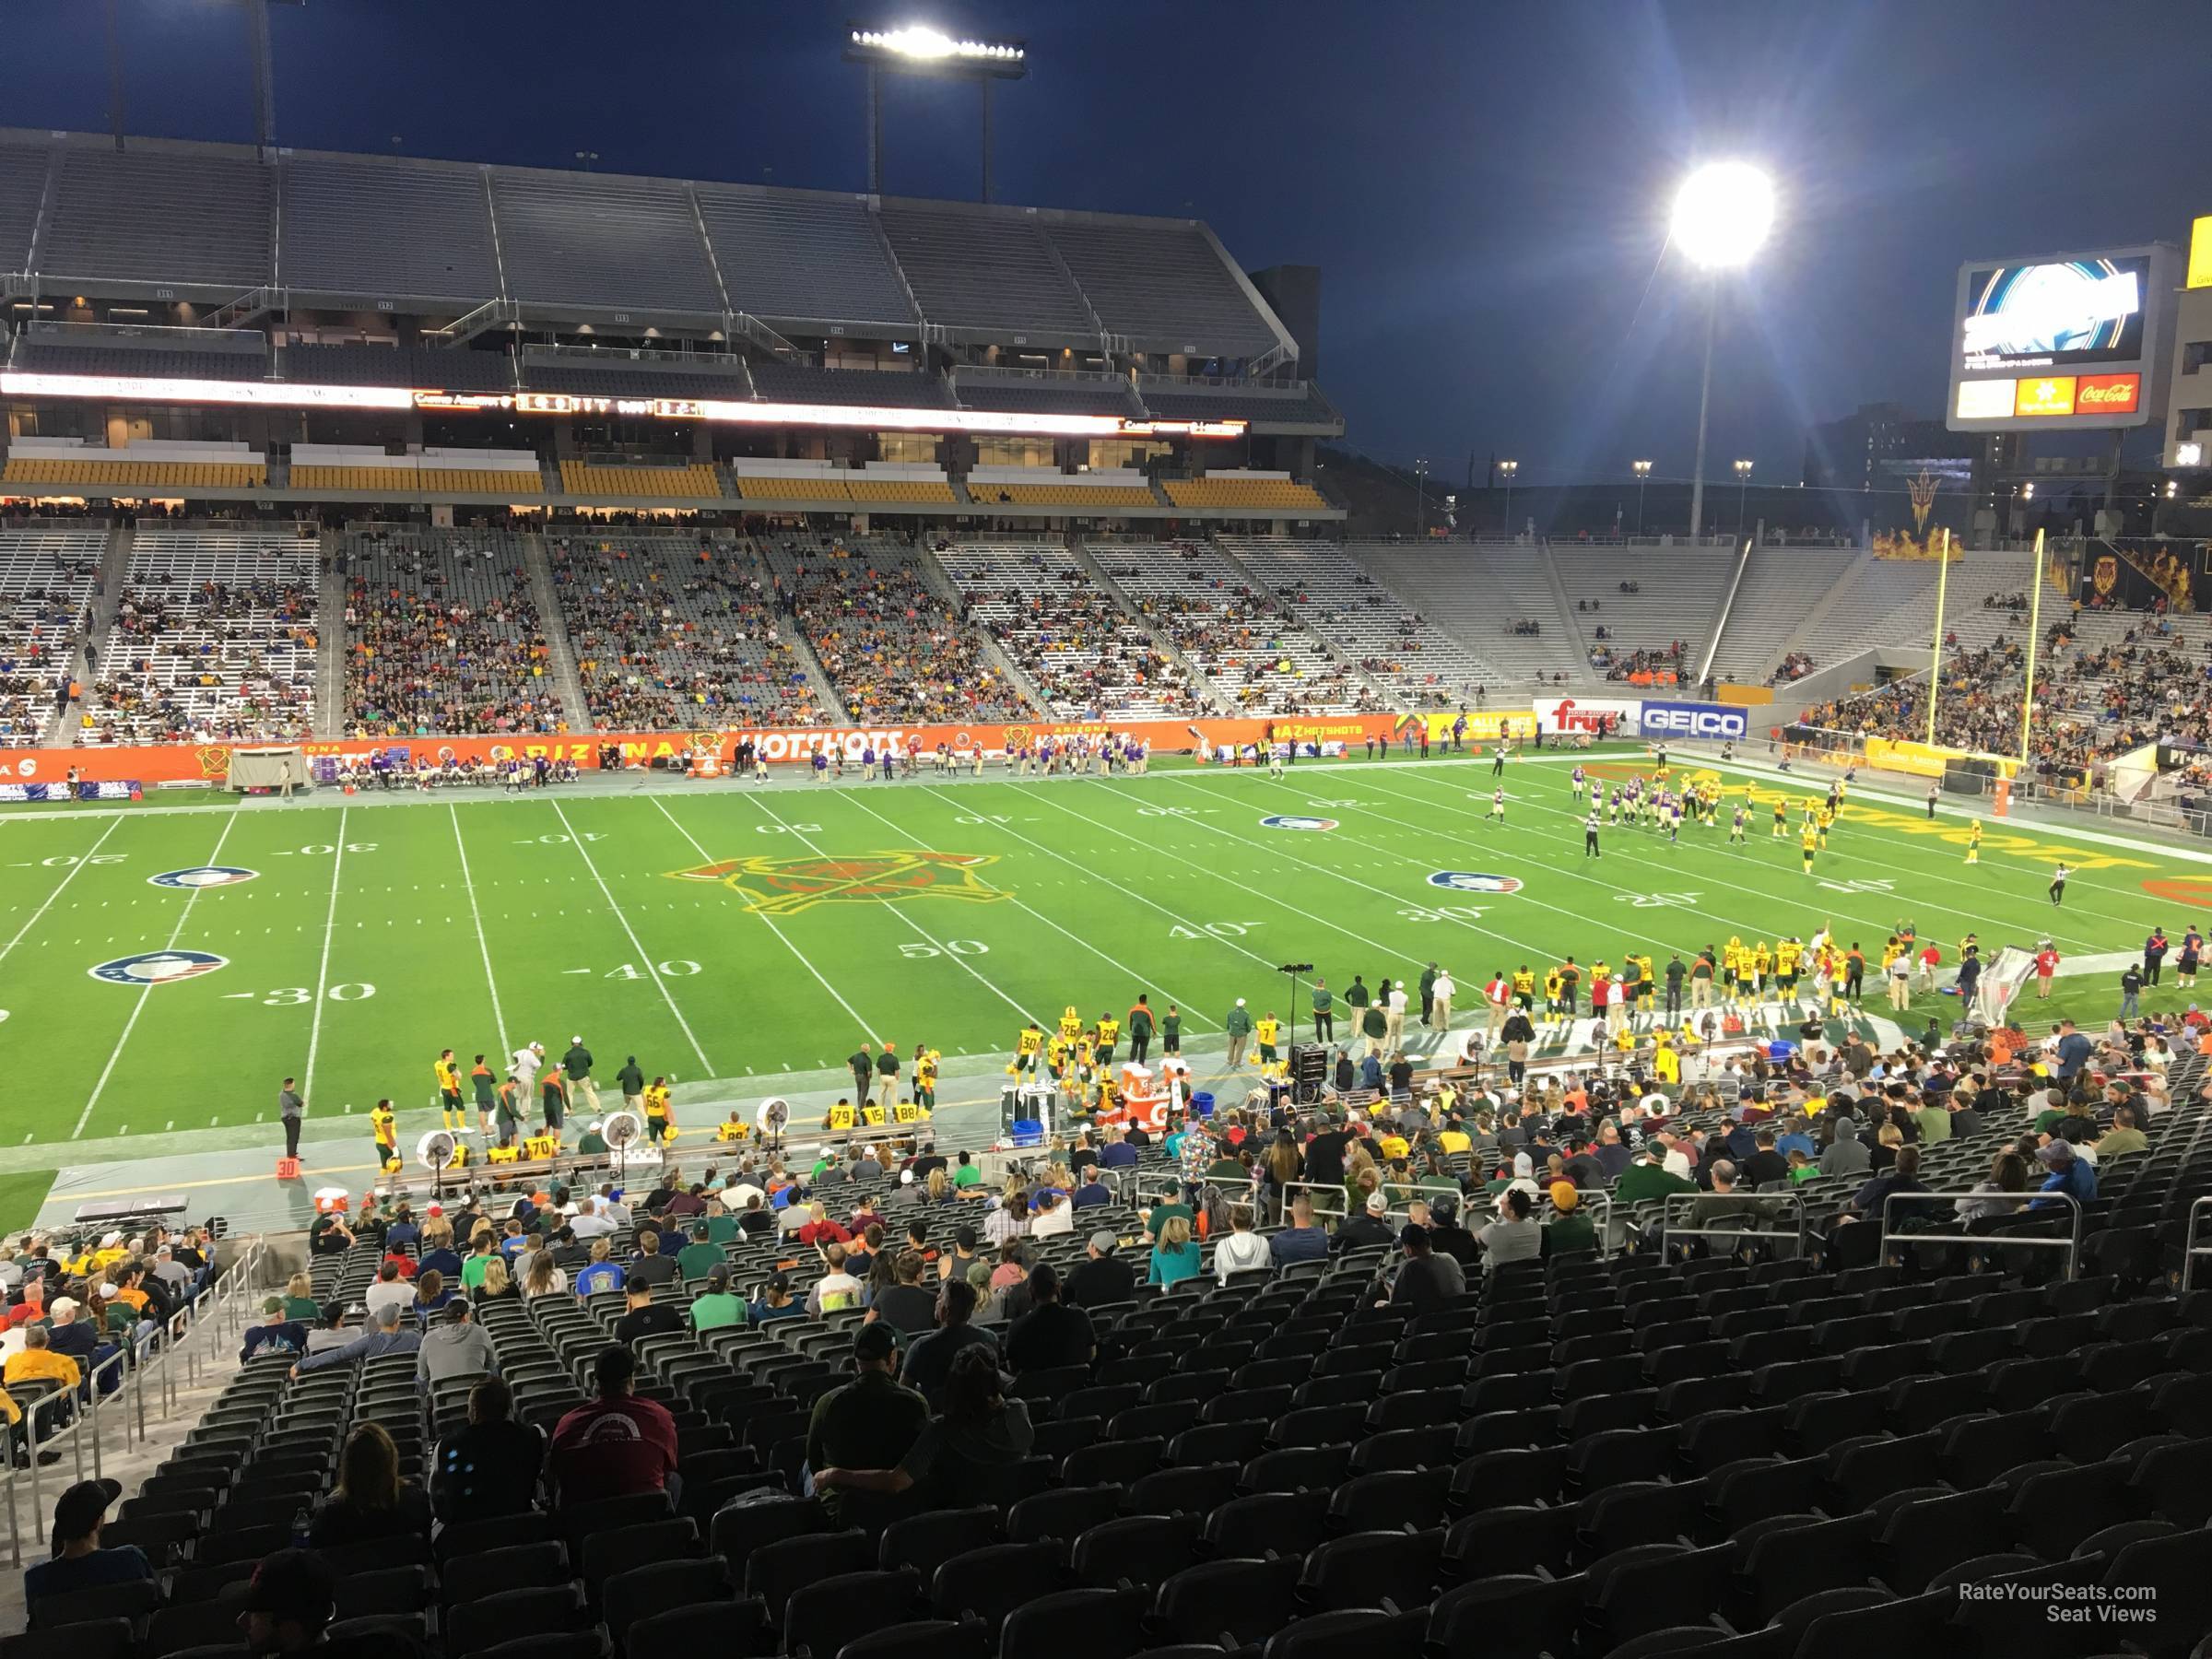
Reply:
x=158, y=967
x=1289, y=821
x=778, y=886
x=204, y=876
x=1475, y=881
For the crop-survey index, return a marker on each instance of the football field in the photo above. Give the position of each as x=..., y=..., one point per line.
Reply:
x=162, y=970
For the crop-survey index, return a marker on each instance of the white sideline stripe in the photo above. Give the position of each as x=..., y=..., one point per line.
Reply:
x=770, y=922
x=330, y=923
x=498, y=1019
x=83, y=859
x=652, y=967
x=911, y=922
x=146, y=990
x=1102, y=956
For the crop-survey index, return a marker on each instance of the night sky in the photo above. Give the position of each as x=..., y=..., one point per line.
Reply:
x=1483, y=186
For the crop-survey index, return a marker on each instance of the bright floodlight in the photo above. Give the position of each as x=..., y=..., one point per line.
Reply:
x=1724, y=214
x=920, y=44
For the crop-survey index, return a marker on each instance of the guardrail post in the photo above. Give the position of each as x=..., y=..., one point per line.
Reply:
x=2193, y=1249
x=2071, y=1243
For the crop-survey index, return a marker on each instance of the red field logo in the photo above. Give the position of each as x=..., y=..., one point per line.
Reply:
x=778, y=886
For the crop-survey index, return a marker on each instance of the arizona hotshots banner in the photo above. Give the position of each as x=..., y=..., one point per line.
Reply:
x=210, y=762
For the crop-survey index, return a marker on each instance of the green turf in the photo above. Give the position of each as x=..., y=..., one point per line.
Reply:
x=356, y=954
x=21, y=1193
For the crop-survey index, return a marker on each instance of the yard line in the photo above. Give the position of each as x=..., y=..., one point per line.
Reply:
x=936, y=943
x=83, y=860
x=1018, y=904
x=770, y=922
x=498, y=1019
x=652, y=967
x=147, y=989
x=330, y=923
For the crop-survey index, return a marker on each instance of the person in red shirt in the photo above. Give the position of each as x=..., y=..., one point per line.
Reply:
x=617, y=1446
x=1930, y=955
x=819, y=1230
x=2046, y=966
x=1495, y=995
x=1598, y=984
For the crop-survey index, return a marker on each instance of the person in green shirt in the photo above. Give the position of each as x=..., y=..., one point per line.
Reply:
x=1239, y=1026
x=1648, y=1178
x=721, y=1228
x=1428, y=991
x=1569, y=1230
x=593, y=1143
x=1171, y=1030
x=2054, y=1112
x=632, y=1081
x=1374, y=1024
x=701, y=1256
x=1325, y=1012
x=478, y=1262
x=965, y=1174
x=714, y=1309
x=299, y=1301
x=1170, y=1208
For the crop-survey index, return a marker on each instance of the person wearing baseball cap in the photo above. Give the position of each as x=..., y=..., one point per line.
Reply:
x=289, y=1603
x=1569, y=1230
x=871, y=1422
x=79, y=1563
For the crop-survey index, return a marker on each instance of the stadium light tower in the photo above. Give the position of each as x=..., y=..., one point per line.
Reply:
x=1743, y=489
x=1509, y=468
x=1722, y=215
x=917, y=49
x=1421, y=500
x=1642, y=469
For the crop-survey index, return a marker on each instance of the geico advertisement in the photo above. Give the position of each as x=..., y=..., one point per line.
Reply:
x=1588, y=716
x=1695, y=720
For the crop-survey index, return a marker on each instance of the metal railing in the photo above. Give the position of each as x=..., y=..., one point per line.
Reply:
x=1683, y=1206
x=2071, y=1243
x=69, y=1420
x=2197, y=1242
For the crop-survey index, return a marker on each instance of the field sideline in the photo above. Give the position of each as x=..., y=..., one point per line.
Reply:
x=721, y=932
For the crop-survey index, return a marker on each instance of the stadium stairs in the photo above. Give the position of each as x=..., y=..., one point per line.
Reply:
x=567, y=682
x=1092, y=567
x=330, y=676
x=934, y=572
x=1473, y=593
x=114, y=573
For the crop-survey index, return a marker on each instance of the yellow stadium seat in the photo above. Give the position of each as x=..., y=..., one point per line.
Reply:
x=1265, y=495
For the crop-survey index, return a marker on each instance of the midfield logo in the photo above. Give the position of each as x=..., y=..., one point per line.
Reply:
x=778, y=886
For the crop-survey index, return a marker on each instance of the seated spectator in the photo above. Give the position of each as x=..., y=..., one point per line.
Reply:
x=1090, y=1192
x=438, y=1254
x=382, y=1336
x=391, y=1285
x=329, y=1235
x=276, y=1333
x=1904, y=1176
x=649, y=1264
x=603, y=1273
x=481, y=1253
x=776, y=1301
x=73, y=1336
x=1568, y=1231
x=2074, y=1176
x=1243, y=1251
x=819, y=1229
x=331, y=1332
x=645, y=1317
x=1514, y=1236
x=1055, y=1216
x=618, y=1444
x=2008, y=1173
x=1101, y=1277
x=432, y=1291
x=299, y=1301
x=1175, y=1255
x=1426, y=1280
x=1051, y=1335
x=81, y=1561
x=904, y=1304
x=498, y=1286
x=490, y=1467
x=961, y=1457
x=1300, y=1240
x=930, y=1356
x=290, y=1604
x=456, y=1346
x=370, y=1501
x=700, y=1257
x=717, y=1308
x=836, y=1289
x=871, y=1422
x=1371, y=1227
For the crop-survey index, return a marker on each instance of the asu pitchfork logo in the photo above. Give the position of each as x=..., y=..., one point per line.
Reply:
x=778, y=886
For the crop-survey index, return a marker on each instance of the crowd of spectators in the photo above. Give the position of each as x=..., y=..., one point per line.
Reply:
x=680, y=633
x=442, y=637
x=207, y=661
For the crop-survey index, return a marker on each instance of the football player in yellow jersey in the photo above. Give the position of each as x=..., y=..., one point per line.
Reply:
x=1808, y=841
x=1027, y=1046
x=1647, y=986
x=1821, y=820
x=660, y=1123
x=383, y=1128
x=1788, y=953
x=1524, y=986
x=1782, y=817
x=1555, y=987
x=1973, y=843
x=1110, y=1030
x=1264, y=1032
x=449, y=1091
x=1762, y=963
x=926, y=1078
x=1055, y=1057
x=1071, y=1023
x=1109, y=1095
x=1732, y=964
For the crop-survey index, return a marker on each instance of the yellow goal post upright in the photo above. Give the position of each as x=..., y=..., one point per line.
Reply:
x=1943, y=582
x=2035, y=635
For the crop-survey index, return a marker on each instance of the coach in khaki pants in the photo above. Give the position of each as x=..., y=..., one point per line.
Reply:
x=1440, y=1008
x=1900, y=975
